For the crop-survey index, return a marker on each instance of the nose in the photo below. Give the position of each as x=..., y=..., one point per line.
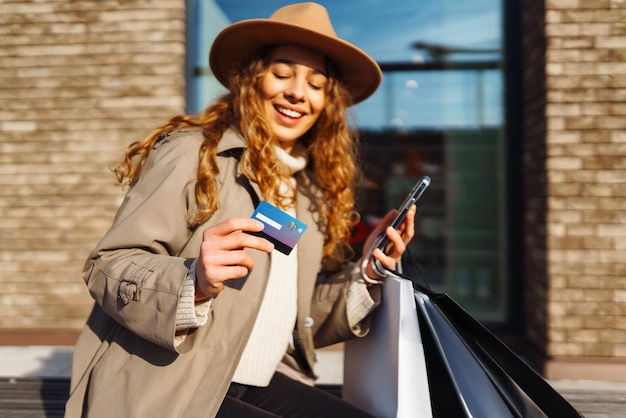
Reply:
x=295, y=91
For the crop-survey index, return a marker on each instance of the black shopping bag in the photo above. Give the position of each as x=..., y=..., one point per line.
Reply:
x=471, y=373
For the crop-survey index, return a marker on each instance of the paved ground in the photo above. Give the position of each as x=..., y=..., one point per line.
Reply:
x=23, y=368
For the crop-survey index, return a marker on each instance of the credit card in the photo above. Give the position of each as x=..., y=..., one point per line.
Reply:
x=281, y=229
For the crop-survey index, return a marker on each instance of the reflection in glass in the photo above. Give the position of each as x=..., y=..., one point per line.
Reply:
x=439, y=111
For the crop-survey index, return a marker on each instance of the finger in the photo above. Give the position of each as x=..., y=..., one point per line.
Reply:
x=398, y=246
x=214, y=240
x=387, y=262
x=231, y=225
x=220, y=274
x=215, y=268
x=240, y=240
x=407, y=228
x=227, y=258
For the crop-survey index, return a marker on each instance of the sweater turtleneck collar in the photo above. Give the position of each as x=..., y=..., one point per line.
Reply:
x=296, y=161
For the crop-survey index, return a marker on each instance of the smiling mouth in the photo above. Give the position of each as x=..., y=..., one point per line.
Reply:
x=288, y=112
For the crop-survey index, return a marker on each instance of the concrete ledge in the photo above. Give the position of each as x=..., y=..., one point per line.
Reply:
x=586, y=368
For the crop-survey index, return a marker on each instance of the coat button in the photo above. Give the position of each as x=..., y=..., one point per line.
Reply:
x=308, y=323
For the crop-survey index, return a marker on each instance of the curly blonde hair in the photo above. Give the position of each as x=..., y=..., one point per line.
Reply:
x=331, y=147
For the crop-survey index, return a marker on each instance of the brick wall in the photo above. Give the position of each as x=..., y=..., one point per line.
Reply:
x=78, y=81
x=581, y=141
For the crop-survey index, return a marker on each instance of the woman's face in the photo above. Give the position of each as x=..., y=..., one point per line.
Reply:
x=293, y=92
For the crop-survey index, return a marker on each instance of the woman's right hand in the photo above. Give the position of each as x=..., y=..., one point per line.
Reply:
x=222, y=256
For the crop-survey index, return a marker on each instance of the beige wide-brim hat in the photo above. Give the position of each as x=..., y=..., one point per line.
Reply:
x=303, y=24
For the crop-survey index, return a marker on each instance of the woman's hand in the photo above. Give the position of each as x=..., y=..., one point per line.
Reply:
x=398, y=241
x=222, y=256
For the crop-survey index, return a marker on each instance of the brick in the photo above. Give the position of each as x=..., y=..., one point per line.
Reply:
x=580, y=68
x=598, y=349
x=597, y=190
x=582, y=230
x=598, y=295
x=565, y=189
x=19, y=126
x=557, y=335
x=557, y=124
x=595, y=136
x=613, y=335
x=618, y=136
x=611, y=68
x=604, y=162
x=584, y=122
x=595, y=109
x=562, y=29
x=597, y=217
x=594, y=4
x=565, y=217
x=553, y=16
x=614, y=42
x=564, y=163
x=597, y=55
x=561, y=4
x=580, y=42
x=617, y=80
x=584, y=335
x=618, y=109
x=565, y=322
x=564, y=243
x=566, y=349
x=618, y=28
x=595, y=29
x=620, y=243
x=554, y=69
x=596, y=81
x=583, y=176
x=580, y=150
x=561, y=56
x=572, y=96
x=619, y=350
x=613, y=256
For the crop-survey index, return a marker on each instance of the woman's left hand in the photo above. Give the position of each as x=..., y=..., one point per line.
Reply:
x=398, y=241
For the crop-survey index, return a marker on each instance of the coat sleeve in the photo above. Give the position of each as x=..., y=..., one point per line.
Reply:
x=134, y=273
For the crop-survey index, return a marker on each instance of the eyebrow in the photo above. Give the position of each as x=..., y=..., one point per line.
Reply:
x=293, y=63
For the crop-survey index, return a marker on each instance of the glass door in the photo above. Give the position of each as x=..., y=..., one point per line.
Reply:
x=440, y=111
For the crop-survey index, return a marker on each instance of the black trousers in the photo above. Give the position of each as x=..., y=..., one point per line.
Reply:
x=287, y=398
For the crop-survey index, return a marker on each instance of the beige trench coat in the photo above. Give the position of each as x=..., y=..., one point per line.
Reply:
x=136, y=273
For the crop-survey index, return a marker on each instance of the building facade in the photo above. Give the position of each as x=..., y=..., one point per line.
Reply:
x=81, y=80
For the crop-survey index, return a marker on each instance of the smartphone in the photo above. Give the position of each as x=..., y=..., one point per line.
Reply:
x=382, y=241
x=411, y=199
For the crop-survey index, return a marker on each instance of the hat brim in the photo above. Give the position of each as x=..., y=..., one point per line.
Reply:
x=359, y=72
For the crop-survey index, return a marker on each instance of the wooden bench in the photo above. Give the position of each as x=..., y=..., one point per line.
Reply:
x=33, y=397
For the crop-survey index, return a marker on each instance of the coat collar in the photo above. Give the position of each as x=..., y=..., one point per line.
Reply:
x=230, y=140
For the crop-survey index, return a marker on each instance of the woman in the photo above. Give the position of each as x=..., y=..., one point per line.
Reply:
x=196, y=314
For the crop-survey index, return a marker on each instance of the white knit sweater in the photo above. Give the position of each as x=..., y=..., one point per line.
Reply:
x=273, y=329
